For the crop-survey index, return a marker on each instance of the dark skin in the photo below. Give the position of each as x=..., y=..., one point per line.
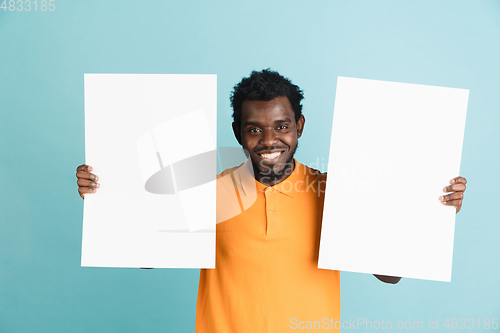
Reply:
x=269, y=134
x=268, y=129
x=87, y=181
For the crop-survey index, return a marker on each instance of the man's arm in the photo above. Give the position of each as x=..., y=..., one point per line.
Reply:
x=387, y=278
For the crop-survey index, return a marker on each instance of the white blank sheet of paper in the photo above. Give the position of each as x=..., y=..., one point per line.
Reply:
x=394, y=147
x=136, y=127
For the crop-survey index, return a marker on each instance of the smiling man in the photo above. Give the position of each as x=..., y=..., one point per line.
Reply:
x=266, y=277
x=269, y=132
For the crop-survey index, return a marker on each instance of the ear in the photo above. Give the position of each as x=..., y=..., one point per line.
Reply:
x=237, y=132
x=300, y=125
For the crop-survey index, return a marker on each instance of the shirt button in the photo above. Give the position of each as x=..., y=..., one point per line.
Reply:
x=271, y=209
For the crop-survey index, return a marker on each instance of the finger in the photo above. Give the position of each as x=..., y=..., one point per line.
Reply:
x=84, y=167
x=456, y=203
x=85, y=190
x=454, y=187
x=87, y=183
x=453, y=196
x=457, y=180
x=86, y=175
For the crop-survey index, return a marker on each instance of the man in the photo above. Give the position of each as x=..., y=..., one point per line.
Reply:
x=266, y=277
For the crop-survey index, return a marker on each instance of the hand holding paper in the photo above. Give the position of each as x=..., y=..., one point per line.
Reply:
x=87, y=182
x=125, y=225
x=385, y=134
x=455, y=198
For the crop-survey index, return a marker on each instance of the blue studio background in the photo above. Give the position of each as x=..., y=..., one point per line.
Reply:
x=44, y=54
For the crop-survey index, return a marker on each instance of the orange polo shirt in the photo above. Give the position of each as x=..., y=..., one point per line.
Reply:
x=266, y=276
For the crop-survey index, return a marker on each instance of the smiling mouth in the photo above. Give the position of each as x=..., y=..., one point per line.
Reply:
x=271, y=156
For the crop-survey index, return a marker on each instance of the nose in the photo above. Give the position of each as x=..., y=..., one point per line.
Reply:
x=269, y=138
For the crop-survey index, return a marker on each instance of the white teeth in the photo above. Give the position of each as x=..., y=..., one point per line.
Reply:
x=270, y=156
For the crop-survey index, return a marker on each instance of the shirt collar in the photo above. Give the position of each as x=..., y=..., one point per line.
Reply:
x=291, y=186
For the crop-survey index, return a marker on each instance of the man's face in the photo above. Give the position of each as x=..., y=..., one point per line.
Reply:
x=269, y=134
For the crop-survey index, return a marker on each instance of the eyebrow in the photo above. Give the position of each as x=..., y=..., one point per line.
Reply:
x=256, y=123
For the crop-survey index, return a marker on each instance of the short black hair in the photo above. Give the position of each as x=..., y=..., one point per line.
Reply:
x=265, y=85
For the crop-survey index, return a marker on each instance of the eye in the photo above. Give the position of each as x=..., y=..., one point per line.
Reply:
x=254, y=130
x=281, y=127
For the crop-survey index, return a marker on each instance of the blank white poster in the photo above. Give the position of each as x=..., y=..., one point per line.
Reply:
x=394, y=147
x=151, y=139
